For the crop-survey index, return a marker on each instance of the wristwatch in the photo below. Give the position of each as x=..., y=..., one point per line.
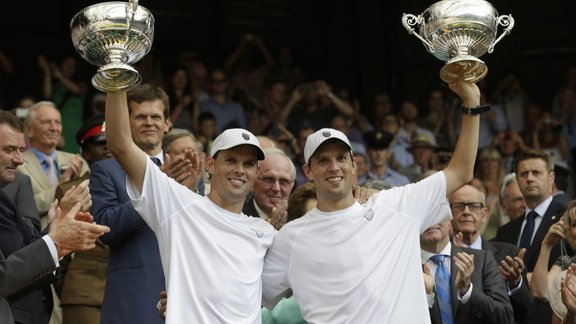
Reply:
x=474, y=110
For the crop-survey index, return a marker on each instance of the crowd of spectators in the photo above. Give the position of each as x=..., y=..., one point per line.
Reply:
x=395, y=142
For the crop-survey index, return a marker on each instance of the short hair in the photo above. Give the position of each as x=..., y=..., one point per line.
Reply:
x=11, y=120
x=529, y=153
x=298, y=199
x=482, y=194
x=149, y=92
x=174, y=134
x=276, y=151
x=509, y=179
x=31, y=115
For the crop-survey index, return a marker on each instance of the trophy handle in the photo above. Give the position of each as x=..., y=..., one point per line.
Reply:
x=409, y=20
x=133, y=7
x=506, y=21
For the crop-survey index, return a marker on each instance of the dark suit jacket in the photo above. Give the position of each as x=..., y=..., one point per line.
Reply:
x=20, y=193
x=35, y=306
x=489, y=301
x=135, y=275
x=510, y=233
x=249, y=208
x=521, y=300
x=26, y=269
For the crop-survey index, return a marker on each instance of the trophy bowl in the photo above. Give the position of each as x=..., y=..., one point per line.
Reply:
x=113, y=35
x=459, y=32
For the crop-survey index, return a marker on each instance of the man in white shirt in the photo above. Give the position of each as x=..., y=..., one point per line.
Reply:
x=352, y=263
x=212, y=254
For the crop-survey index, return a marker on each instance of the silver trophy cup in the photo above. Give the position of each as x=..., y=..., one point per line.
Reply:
x=459, y=32
x=113, y=35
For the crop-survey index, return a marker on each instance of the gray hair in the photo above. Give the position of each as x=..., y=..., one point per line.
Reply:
x=31, y=115
x=174, y=134
x=509, y=179
x=277, y=151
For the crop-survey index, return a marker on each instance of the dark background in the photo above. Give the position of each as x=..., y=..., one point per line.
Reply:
x=360, y=45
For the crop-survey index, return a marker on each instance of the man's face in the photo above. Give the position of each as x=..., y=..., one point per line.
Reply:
x=218, y=83
x=11, y=142
x=274, y=183
x=233, y=173
x=46, y=129
x=333, y=171
x=435, y=234
x=96, y=151
x=179, y=146
x=513, y=202
x=468, y=210
x=147, y=124
x=378, y=157
x=422, y=154
x=534, y=180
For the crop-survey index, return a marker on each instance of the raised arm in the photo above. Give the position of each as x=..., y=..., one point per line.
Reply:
x=461, y=167
x=132, y=159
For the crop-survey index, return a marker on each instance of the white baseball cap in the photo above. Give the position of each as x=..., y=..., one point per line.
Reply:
x=233, y=137
x=314, y=141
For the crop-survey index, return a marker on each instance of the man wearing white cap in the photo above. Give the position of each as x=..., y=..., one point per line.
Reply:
x=212, y=254
x=353, y=263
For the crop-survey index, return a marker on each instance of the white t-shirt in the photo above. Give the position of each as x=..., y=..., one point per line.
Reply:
x=212, y=258
x=361, y=264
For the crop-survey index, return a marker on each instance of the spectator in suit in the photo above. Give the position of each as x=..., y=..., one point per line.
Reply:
x=475, y=290
x=134, y=266
x=47, y=166
x=28, y=263
x=535, y=175
x=272, y=188
x=469, y=213
x=21, y=195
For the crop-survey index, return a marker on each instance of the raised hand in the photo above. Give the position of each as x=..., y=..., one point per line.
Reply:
x=465, y=264
x=279, y=215
x=511, y=268
x=73, y=231
x=79, y=194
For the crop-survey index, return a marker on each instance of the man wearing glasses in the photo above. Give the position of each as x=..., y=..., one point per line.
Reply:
x=469, y=213
x=272, y=188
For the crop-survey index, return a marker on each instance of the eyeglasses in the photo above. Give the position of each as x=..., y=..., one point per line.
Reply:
x=472, y=206
x=11, y=149
x=270, y=181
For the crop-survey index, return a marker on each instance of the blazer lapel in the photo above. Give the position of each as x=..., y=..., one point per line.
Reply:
x=35, y=170
x=453, y=290
x=552, y=215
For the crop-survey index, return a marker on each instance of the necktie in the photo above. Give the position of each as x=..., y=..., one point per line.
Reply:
x=526, y=238
x=156, y=161
x=442, y=279
x=51, y=171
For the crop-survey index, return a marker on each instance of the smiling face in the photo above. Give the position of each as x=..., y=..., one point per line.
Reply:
x=233, y=174
x=275, y=168
x=45, y=129
x=469, y=220
x=333, y=171
x=148, y=125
